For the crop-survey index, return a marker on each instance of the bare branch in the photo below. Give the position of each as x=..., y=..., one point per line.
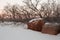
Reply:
x=35, y=7
x=31, y=5
x=37, y=1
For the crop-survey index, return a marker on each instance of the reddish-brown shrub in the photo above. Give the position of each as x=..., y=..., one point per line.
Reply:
x=51, y=28
x=36, y=25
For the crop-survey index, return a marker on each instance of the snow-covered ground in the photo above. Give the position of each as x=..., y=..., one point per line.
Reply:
x=19, y=31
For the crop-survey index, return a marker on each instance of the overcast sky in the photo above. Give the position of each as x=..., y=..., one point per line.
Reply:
x=4, y=2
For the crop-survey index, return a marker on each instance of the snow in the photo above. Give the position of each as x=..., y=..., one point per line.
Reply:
x=35, y=19
x=19, y=31
x=52, y=24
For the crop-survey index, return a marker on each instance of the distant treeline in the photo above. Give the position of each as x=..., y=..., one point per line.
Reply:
x=30, y=11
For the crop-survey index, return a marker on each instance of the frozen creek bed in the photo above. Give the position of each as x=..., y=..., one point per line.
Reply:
x=19, y=31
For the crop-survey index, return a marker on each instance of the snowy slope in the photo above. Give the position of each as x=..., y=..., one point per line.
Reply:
x=19, y=32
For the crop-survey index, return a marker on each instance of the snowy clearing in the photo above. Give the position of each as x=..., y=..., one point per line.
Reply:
x=10, y=31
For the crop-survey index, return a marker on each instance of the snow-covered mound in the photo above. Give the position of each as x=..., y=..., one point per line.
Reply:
x=17, y=32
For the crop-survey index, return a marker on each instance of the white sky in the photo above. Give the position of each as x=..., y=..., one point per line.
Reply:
x=4, y=2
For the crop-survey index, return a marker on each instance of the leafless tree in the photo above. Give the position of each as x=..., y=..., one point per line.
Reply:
x=33, y=6
x=12, y=9
x=52, y=11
